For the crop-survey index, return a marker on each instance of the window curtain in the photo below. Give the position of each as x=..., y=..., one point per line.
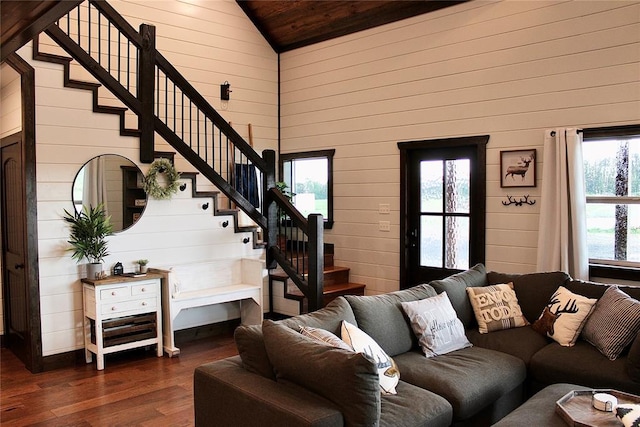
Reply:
x=562, y=235
x=95, y=184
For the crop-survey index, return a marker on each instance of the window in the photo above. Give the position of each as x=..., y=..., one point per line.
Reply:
x=612, y=185
x=309, y=176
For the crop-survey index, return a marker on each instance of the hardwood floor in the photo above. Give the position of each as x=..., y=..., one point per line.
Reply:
x=135, y=389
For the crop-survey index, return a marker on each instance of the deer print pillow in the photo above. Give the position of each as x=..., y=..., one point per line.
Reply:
x=564, y=316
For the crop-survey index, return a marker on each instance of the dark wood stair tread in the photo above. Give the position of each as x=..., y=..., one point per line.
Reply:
x=279, y=274
x=329, y=291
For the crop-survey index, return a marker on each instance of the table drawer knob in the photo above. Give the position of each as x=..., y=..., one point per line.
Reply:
x=144, y=289
x=114, y=293
x=144, y=303
x=114, y=308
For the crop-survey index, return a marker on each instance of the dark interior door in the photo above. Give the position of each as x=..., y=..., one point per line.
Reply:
x=442, y=207
x=17, y=333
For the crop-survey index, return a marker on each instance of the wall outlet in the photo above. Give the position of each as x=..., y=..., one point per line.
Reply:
x=384, y=226
x=384, y=208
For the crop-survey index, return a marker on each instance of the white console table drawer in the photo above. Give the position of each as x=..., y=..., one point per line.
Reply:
x=120, y=304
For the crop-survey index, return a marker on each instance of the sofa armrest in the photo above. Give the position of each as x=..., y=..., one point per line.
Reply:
x=633, y=360
x=226, y=394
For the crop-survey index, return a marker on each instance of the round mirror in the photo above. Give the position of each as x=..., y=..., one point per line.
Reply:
x=114, y=181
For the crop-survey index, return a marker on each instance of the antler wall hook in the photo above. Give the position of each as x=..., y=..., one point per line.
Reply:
x=522, y=201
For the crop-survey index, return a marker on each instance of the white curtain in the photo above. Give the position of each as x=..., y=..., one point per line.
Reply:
x=95, y=183
x=562, y=235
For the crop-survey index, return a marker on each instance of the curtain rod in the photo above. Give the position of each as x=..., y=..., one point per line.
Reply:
x=553, y=132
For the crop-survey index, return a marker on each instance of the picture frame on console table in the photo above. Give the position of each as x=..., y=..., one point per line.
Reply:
x=518, y=168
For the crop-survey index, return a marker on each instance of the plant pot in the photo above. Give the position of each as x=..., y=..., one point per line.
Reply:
x=142, y=269
x=94, y=270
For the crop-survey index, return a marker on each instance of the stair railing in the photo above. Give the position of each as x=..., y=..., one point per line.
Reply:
x=126, y=62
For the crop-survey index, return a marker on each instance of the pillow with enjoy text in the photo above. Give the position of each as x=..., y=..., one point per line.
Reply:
x=496, y=307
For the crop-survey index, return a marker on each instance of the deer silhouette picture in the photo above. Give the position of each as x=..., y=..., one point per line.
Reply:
x=545, y=325
x=520, y=168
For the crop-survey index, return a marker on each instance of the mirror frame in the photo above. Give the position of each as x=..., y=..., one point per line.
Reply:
x=132, y=208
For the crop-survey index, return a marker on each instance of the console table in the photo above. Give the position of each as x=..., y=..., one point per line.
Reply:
x=121, y=313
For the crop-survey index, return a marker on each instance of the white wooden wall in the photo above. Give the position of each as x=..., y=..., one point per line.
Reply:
x=509, y=69
x=209, y=42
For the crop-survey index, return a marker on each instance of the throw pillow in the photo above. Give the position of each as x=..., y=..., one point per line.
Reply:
x=496, y=307
x=388, y=372
x=614, y=323
x=346, y=378
x=629, y=414
x=324, y=336
x=435, y=323
x=564, y=316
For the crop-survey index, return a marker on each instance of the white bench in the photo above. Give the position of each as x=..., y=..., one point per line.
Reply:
x=202, y=284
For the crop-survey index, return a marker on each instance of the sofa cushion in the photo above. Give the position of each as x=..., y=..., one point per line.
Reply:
x=415, y=407
x=532, y=289
x=633, y=359
x=456, y=287
x=360, y=342
x=382, y=318
x=496, y=307
x=470, y=379
x=565, y=316
x=329, y=318
x=250, y=344
x=346, y=378
x=614, y=323
x=435, y=323
x=519, y=342
x=581, y=364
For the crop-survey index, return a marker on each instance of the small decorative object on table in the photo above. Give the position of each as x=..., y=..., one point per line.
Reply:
x=142, y=265
x=582, y=407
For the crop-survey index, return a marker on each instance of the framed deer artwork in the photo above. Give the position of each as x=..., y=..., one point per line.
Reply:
x=518, y=168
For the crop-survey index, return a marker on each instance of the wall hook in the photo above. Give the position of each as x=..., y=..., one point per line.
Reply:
x=183, y=186
x=225, y=224
x=522, y=201
x=246, y=240
x=205, y=206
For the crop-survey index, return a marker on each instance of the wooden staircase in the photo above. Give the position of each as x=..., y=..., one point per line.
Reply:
x=336, y=281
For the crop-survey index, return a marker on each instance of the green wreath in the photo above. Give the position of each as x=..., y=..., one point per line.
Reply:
x=151, y=185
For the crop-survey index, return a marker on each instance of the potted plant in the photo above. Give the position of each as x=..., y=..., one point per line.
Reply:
x=89, y=229
x=142, y=265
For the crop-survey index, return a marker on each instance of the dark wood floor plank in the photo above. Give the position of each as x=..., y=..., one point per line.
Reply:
x=135, y=389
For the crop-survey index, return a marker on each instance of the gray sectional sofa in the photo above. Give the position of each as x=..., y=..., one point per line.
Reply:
x=281, y=378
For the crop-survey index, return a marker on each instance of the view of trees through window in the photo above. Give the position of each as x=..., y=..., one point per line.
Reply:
x=612, y=184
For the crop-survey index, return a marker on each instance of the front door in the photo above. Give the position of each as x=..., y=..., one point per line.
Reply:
x=14, y=281
x=442, y=207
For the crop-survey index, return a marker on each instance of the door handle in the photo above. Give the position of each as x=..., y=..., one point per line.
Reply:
x=19, y=266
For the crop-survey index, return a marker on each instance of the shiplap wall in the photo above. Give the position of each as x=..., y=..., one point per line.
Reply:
x=170, y=232
x=509, y=69
x=10, y=123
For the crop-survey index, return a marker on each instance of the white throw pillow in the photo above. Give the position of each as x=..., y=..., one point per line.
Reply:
x=496, y=307
x=564, y=316
x=436, y=324
x=388, y=372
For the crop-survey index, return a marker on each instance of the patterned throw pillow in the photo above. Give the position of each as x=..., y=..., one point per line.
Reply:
x=614, y=323
x=629, y=414
x=388, y=372
x=496, y=307
x=564, y=316
x=435, y=323
x=324, y=336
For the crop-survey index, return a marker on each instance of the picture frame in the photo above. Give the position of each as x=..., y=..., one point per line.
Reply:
x=518, y=168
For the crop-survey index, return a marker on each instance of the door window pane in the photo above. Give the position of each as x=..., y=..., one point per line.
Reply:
x=431, y=241
x=457, y=186
x=457, y=247
x=431, y=186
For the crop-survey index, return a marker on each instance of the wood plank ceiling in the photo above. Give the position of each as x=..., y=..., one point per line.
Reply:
x=287, y=24
x=291, y=24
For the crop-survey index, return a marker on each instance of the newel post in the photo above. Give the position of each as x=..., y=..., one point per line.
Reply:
x=146, y=89
x=316, y=262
